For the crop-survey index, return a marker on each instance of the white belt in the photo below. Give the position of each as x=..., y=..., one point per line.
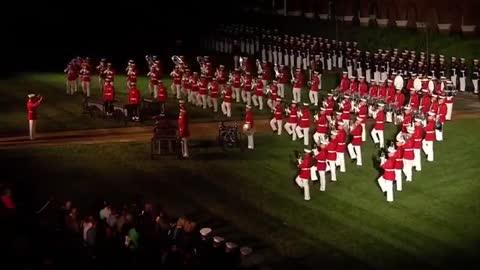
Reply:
x=357, y=136
x=379, y=122
x=430, y=131
x=389, y=170
x=341, y=143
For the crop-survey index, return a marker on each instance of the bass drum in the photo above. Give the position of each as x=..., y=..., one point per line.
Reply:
x=431, y=86
x=398, y=82
x=417, y=84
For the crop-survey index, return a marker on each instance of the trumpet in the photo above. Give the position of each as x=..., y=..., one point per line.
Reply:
x=177, y=60
x=247, y=129
x=277, y=72
x=201, y=60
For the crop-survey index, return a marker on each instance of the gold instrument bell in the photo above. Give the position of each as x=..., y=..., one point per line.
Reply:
x=247, y=129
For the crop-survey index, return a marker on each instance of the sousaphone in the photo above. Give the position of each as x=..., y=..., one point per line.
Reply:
x=398, y=82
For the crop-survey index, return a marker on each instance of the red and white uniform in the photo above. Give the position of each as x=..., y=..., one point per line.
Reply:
x=259, y=88
x=433, y=106
x=109, y=74
x=293, y=117
x=108, y=93
x=85, y=74
x=390, y=94
x=322, y=124
x=356, y=135
x=177, y=77
x=347, y=107
x=132, y=75
x=399, y=99
x=407, y=120
x=162, y=93
x=332, y=158
x=315, y=84
x=344, y=85
x=382, y=92
x=133, y=96
x=363, y=88
x=299, y=80
x=353, y=87
x=215, y=88
x=236, y=80
x=414, y=100
x=442, y=112
x=183, y=128
x=305, y=166
x=373, y=92
x=32, y=109
x=321, y=158
x=427, y=143
x=329, y=107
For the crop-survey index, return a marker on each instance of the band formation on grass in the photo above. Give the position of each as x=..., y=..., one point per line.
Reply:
x=403, y=88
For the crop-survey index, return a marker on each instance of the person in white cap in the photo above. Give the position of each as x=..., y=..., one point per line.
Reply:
x=297, y=86
x=176, y=82
x=183, y=128
x=341, y=139
x=227, y=101
x=303, y=178
x=354, y=147
x=291, y=124
x=408, y=154
x=204, y=232
x=362, y=112
x=303, y=128
x=258, y=97
x=441, y=117
x=377, y=131
x=463, y=74
x=332, y=155
x=475, y=75
x=322, y=126
x=250, y=128
x=427, y=143
x=313, y=94
x=417, y=144
x=399, y=162
x=321, y=156
x=388, y=177
x=276, y=123
x=32, y=104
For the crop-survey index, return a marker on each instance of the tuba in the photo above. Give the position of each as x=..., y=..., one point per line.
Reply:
x=247, y=129
x=177, y=60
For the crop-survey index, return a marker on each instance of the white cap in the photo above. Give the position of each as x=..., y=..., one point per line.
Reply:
x=248, y=107
x=245, y=251
x=218, y=239
x=205, y=231
x=345, y=73
x=306, y=104
x=334, y=133
x=400, y=139
x=381, y=105
x=363, y=99
x=391, y=149
x=410, y=129
x=359, y=118
x=307, y=150
x=430, y=113
x=324, y=141
x=338, y=113
x=323, y=109
x=30, y=95
x=231, y=245
x=418, y=120
x=441, y=97
x=407, y=107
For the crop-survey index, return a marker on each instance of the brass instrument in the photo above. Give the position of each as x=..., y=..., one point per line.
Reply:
x=177, y=60
x=247, y=129
x=259, y=67
x=277, y=72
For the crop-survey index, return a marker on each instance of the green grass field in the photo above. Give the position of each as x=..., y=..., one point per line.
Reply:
x=250, y=196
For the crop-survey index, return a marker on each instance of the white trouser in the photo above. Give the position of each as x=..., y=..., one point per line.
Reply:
x=184, y=144
x=364, y=133
x=193, y=97
x=407, y=169
x=462, y=83
x=322, y=180
x=227, y=109
x=355, y=152
x=448, y=116
x=317, y=137
x=281, y=90
x=398, y=179
x=349, y=71
x=303, y=133
x=252, y=48
x=329, y=64
x=285, y=59
x=334, y=61
x=248, y=97
x=70, y=87
x=313, y=95
x=203, y=101
x=176, y=89
x=258, y=101
x=454, y=80
x=250, y=141
x=276, y=125
x=376, y=76
x=280, y=58
x=323, y=62
x=439, y=134
x=290, y=128
x=305, y=185
x=341, y=161
x=389, y=117
x=264, y=55
x=386, y=186
x=270, y=103
x=292, y=60
x=417, y=162
x=275, y=58
x=299, y=62
x=340, y=62
x=236, y=60
x=242, y=46
x=154, y=90
x=475, y=86
x=427, y=147
x=236, y=92
x=264, y=86
x=359, y=72
x=377, y=136
x=384, y=76
x=269, y=56
x=368, y=75
x=32, y=124
x=333, y=169
x=297, y=94
x=86, y=88
x=213, y=102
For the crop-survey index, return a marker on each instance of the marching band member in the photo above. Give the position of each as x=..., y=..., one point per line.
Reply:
x=332, y=154
x=276, y=121
x=32, y=105
x=183, y=128
x=250, y=125
x=475, y=76
x=133, y=101
x=417, y=144
x=85, y=76
x=362, y=87
x=341, y=145
x=390, y=95
x=247, y=88
x=71, y=79
x=162, y=95
x=265, y=73
x=354, y=147
x=329, y=104
x=258, y=97
x=408, y=154
x=177, y=81
x=441, y=114
x=282, y=80
x=353, y=88
x=322, y=126
x=221, y=75
x=362, y=113
x=313, y=94
x=373, y=91
x=297, y=86
x=433, y=104
x=227, y=101
x=195, y=89
x=303, y=128
x=377, y=131
x=202, y=91
x=399, y=163
x=382, y=91
x=291, y=124
x=449, y=104
x=109, y=73
x=427, y=143
x=407, y=118
x=213, y=98
x=237, y=84
x=132, y=73
x=454, y=69
x=321, y=157
x=108, y=96
x=102, y=66
x=425, y=102
x=273, y=95
x=346, y=107
x=153, y=84
x=463, y=74
x=345, y=83
x=386, y=180
x=303, y=178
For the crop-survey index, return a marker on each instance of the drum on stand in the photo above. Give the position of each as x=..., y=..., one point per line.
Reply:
x=417, y=84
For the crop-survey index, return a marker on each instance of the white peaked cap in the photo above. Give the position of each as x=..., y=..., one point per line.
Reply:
x=334, y=132
x=431, y=113
x=418, y=120
x=30, y=95
x=218, y=239
x=324, y=141
x=307, y=150
x=391, y=149
x=245, y=251
x=205, y=231
x=410, y=129
x=231, y=245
